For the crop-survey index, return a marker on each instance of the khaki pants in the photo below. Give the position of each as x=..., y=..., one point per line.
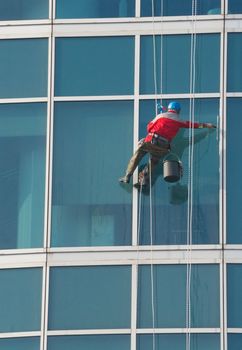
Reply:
x=156, y=152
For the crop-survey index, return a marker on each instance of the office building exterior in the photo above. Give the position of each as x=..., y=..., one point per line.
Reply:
x=88, y=263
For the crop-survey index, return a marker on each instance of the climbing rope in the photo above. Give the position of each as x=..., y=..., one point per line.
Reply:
x=151, y=257
x=190, y=176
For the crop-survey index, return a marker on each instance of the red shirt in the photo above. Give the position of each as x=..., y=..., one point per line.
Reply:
x=167, y=125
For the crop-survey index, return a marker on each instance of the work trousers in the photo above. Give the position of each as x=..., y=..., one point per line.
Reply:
x=156, y=151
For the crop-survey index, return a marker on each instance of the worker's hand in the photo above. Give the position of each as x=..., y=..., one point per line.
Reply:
x=210, y=126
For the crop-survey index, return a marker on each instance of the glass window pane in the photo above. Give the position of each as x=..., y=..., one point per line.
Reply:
x=90, y=342
x=234, y=341
x=20, y=299
x=20, y=343
x=234, y=67
x=94, y=8
x=170, y=296
x=90, y=297
x=234, y=169
x=23, y=9
x=89, y=206
x=176, y=68
x=234, y=6
x=179, y=8
x=178, y=342
x=170, y=200
x=23, y=68
x=22, y=172
x=94, y=66
x=234, y=295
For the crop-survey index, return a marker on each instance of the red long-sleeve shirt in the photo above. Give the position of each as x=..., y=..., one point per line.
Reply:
x=167, y=125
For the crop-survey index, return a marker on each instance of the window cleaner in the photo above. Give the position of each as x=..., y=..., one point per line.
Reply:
x=161, y=131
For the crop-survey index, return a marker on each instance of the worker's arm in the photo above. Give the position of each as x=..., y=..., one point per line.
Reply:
x=188, y=124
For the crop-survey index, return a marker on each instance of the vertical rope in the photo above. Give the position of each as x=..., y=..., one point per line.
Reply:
x=154, y=53
x=190, y=175
x=151, y=257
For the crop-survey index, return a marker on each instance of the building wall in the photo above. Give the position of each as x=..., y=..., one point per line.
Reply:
x=87, y=263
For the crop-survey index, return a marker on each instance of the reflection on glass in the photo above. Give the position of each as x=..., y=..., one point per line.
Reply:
x=30, y=343
x=170, y=200
x=176, y=67
x=234, y=6
x=170, y=296
x=234, y=295
x=233, y=171
x=234, y=341
x=179, y=8
x=23, y=9
x=94, y=8
x=178, y=342
x=90, y=342
x=92, y=142
x=20, y=296
x=234, y=82
x=22, y=172
x=23, y=68
x=94, y=66
x=90, y=297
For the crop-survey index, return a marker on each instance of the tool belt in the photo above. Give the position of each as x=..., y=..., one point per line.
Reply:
x=159, y=140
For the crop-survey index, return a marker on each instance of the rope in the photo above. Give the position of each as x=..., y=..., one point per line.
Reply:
x=190, y=176
x=154, y=53
x=151, y=257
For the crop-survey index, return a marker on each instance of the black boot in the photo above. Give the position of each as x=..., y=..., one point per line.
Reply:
x=125, y=179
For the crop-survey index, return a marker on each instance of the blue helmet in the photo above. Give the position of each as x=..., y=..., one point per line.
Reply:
x=174, y=106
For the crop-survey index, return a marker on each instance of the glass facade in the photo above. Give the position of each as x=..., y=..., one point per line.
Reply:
x=94, y=8
x=87, y=262
x=175, y=74
x=23, y=10
x=23, y=68
x=178, y=8
x=22, y=169
x=89, y=297
x=88, y=207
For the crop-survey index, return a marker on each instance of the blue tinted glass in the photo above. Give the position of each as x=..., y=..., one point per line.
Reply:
x=234, y=67
x=234, y=295
x=23, y=68
x=20, y=344
x=90, y=342
x=94, y=8
x=234, y=169
x=22, y=172
x=23, y=9
x=90, y=297
x=20, y=299
x=94, y=66
x=92, y=142
x=176, y=67
x=170, y=200
x=234, y=341
x=207, y=63
x=170, y=296
x=161, y=341
x=179, y=8
x=178, y=342
x=234, y=6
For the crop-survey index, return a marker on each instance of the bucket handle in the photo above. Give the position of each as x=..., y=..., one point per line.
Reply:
x=174, y=155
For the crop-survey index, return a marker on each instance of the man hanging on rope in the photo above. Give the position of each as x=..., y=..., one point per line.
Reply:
x=161, y=130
